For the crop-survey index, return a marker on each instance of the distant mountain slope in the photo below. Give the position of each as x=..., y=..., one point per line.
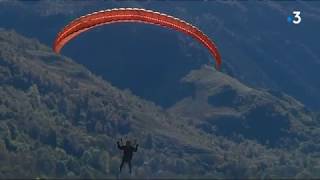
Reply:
x=258, y=46
x=57, y=119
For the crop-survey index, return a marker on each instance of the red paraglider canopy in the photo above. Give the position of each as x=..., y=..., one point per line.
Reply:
x=99, y=18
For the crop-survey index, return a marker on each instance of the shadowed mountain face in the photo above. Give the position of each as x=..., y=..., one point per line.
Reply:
x=259, y=50
x=148, y=65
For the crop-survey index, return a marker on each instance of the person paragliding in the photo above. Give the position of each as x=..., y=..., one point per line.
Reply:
x=128, y=150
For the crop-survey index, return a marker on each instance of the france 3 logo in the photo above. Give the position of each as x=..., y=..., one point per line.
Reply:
x=295, y=18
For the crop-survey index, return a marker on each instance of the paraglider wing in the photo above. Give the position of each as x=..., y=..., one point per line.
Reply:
x=99, y=18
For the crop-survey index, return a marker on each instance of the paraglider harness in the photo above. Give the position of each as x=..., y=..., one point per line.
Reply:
x=128, y=150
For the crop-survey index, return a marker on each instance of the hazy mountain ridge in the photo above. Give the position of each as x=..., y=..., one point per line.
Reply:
x=261, y=49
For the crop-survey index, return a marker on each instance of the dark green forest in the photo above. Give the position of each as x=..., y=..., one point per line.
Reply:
x=58, y=120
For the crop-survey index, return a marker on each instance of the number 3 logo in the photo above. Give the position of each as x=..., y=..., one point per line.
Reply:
x=297, y=17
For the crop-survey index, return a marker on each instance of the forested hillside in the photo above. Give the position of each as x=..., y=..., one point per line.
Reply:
x=57, y=119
